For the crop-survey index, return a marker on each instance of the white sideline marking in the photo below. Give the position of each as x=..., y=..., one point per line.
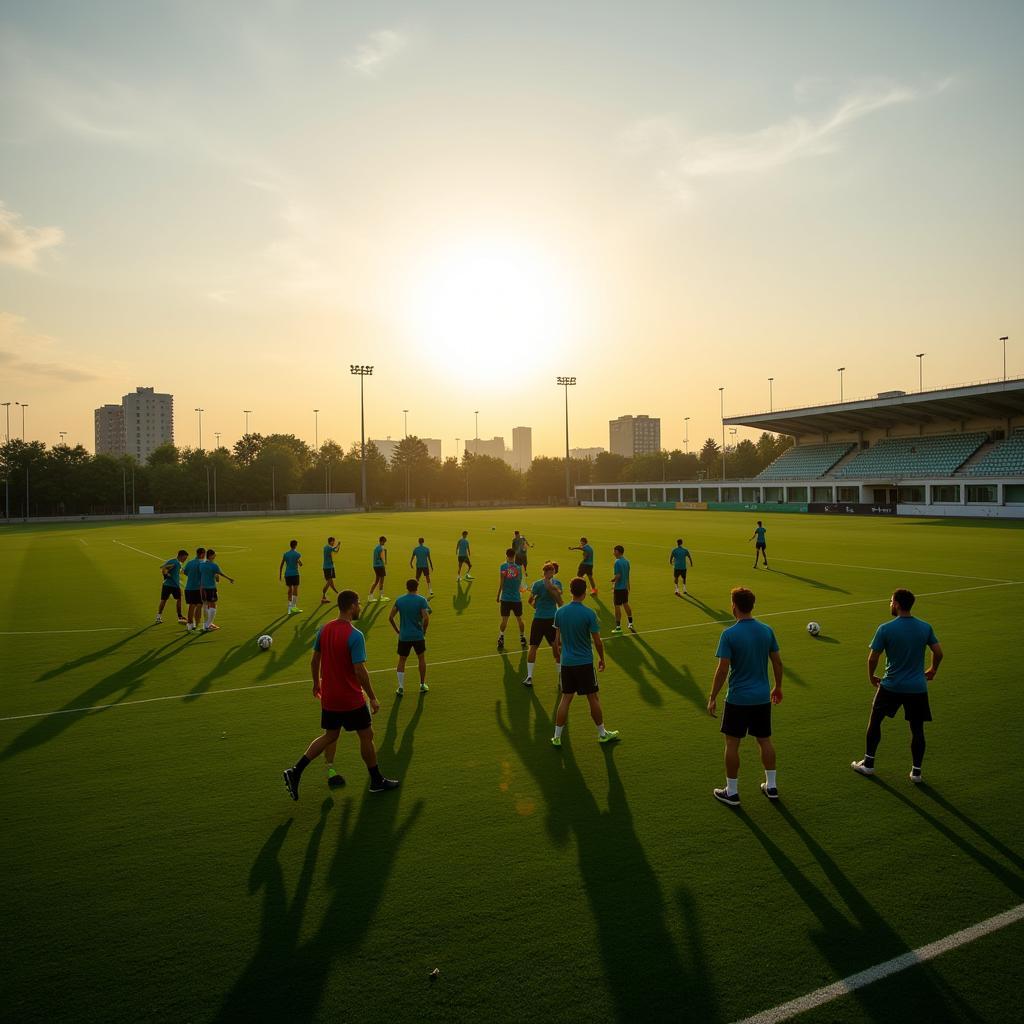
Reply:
x=475, y=657
x=900, y=963
x=148, y=554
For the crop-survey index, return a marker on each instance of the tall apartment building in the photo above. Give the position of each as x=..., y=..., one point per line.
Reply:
x=522, y=448
x=495, y=447
x=148, y=422
x=634, y=435
x=386, y=446
x=433, y=447
x=586, y=453
x=109, y=422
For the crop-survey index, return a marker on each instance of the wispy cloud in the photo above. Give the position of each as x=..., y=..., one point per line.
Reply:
x=14, y=332
x=20, y=246
x=377, y=49
x=799, y=137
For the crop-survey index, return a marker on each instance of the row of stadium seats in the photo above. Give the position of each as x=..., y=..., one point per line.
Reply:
x=805, y=461
x=940, y=455
x=1005, y=459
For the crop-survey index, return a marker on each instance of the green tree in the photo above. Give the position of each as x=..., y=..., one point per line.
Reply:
x=710, y=458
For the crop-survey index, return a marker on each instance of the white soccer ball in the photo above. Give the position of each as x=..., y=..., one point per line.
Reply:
x=813, y=628
x=265, y=642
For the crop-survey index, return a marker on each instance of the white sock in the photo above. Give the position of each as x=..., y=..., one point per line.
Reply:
x=677, y=590
x=501, y=634
x=769, y=777
x=601, y=729
x=529, y=670
x=401, y=679
x=732, y=786
x=558, y=731
x=212, y=614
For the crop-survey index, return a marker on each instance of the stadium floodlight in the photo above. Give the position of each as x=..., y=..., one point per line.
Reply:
x=316, y=430
x=63, y=435
x=362, y=372
x=1004, y=340
x=686, y=429
x=7, y=432
x=721, y=397
x=248, y=413
x=566, y=382
x=840, y=370
x=771, y=404
x=24, y=406
x=920, y=370
x=200, y=411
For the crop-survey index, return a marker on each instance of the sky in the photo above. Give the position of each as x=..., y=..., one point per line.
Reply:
x=234, y=202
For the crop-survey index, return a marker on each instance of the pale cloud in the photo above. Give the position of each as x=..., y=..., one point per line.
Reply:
x=378, y=48
x=21, y=245
x=16, y=334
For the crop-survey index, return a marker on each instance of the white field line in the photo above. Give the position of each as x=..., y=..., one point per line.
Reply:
x=900, y=963
x=82, y=540
x=475, y=657
x=148, y=554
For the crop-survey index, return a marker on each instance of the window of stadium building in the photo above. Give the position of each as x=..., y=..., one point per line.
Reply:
x=911, y=495
x=946, y=494
x=983, y=494
x=848, y=494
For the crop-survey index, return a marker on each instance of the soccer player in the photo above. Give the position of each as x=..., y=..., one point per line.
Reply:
x=414, y=615
x=744, y=650
x=575, y=626
x=519, y=546
x=331, y=548
x=678, y=559
x=462, y=551
x=380, y=570
x=510, y=584
x=209, y=573
x=171, y=572
x=193, y=590
x=620, y=589
x=760, y=546
x=291, y=562
x=423, y=563
x=905, y=683
x=342, y=684
x=586, y=567
x=546, y=599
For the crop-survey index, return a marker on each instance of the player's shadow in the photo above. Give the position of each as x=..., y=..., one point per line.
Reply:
x=93, y=656
x=633, y=660
x=604, y=614
x=368, y=619
x=978, y=830
x=790, y=674
x=817, y=584
x=112, y=689
x=847, y=946
x=716, y=614
x=679, y=679
x=640, y=961
x=234, y=657
x=462, y=597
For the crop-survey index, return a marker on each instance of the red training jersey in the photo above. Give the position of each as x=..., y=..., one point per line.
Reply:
x=341, y=648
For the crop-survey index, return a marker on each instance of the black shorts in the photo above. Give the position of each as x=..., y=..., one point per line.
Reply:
x=915, y=705
x=405, y=646
x=350, y=721
x=422, y=570
x=512, y=608
x=379, y=572
x=542, y=629
x=291, y=581
x=581, y=679
x=739, y=719
x=621, y=597
x=167, y=591
x=585, y=569
x=193, y=596
x=520, y=560
x=328, y=574
x=762, y=546
x=464, y=560
x=677, y=573
x=209, y=595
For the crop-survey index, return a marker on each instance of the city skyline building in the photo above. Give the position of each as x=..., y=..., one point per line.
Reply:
x=109, y=430
x=522, y=448
x=588, y=454
x=148, y=422
x=634, y=435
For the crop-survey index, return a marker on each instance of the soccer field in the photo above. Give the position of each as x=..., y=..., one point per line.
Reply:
x=156, y=869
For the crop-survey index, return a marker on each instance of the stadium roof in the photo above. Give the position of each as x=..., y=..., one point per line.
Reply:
x=995, y=399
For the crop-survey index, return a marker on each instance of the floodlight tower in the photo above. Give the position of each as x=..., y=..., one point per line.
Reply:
x=566, y=382
x=362, y=372
x=1004, y=340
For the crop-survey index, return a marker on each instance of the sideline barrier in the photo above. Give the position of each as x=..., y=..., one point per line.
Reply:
x=757, y=506
x=851, y=508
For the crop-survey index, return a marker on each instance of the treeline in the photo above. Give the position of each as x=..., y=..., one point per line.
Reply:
x=260, y=471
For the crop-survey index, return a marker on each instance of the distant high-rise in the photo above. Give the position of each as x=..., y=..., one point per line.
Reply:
x=634, y=435
x=522, y=448
x=385, y=446
x=109, y=420
x=148, y=422
x=495, y=447
x=586, y=453
x=433, y=447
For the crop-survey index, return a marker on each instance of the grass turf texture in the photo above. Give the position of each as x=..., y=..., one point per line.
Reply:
x=155, y=868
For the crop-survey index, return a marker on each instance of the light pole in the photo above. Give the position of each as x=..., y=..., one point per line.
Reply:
x=840, y=370
x=7, y=432
x=216, y=434
x=63, y=434
x=686, y=428
x=408, y=482
x=721, y=397
x=316, y=430
x=362, y=372
x=405, y=422
x=920, y=370
x=200, y=411
x=476, y=434
x=771, y=403
x=24, y=406
x=248, y=413
x=1004, y=340
x=567, y=382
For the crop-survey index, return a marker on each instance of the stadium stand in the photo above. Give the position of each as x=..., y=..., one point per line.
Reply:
x=934, y=456
x=1005, y=459
x=805, y=461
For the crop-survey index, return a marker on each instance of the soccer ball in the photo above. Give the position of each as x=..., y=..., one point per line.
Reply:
x=492, y=529
x=813, y=628
x=266, y=640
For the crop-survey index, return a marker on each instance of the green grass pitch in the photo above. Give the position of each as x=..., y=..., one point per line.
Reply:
x=154, y=867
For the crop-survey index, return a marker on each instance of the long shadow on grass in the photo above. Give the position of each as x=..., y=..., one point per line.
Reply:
x=817, y=584
x=633, y=660
x=300, y=643
x=640, y=962
x=678, y=679
x=92, y=656
x=112, y=689
x=289, y=985
x=978, y=830
x=234, y=657
x=846, y=946
x=715, y=614
x=462, y=597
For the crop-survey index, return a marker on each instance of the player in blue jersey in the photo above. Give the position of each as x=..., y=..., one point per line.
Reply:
x=678, y=559
x=620, y=590
x=520, y=545
x=209, y=574
x=575, y=628
x=905, y=684
x=546, y=599
x=291, y=562
x=193, y=591
x=331, y=548
x=421, y=561
x=171, y=587
x=413, y=613
x=462, y=553
x=510, y=597
x=586, y=566
x=744, y=650
x=760, y=544
x=380, y=570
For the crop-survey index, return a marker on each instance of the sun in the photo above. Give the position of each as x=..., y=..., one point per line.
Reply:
x=484, y=303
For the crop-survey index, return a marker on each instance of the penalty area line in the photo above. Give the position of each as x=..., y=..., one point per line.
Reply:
x=828, y=993
x=148, y=554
